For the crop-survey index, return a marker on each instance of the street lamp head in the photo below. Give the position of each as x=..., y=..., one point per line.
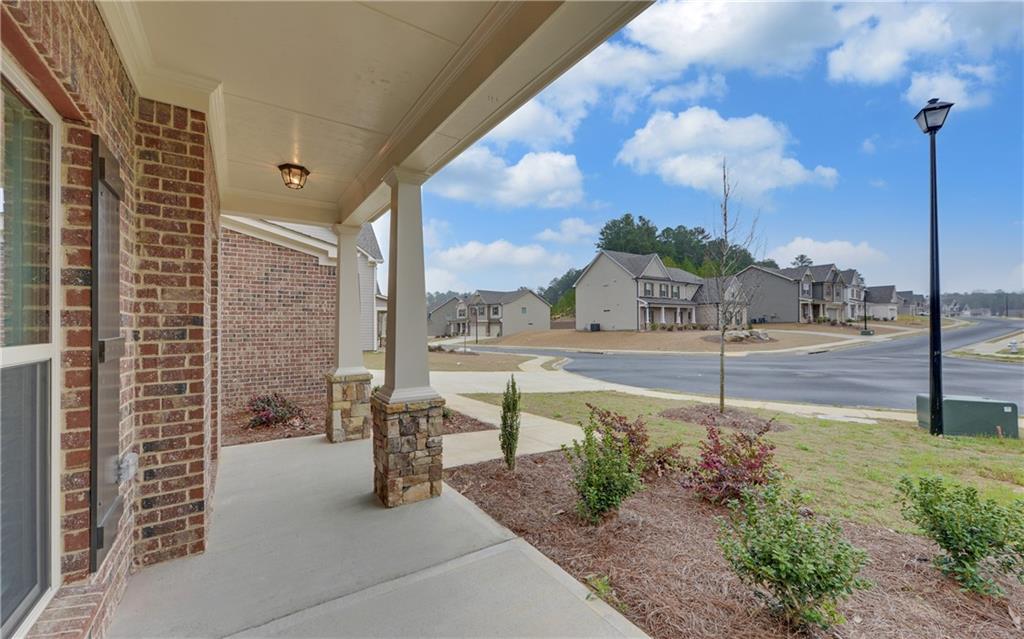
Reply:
x=933, y=115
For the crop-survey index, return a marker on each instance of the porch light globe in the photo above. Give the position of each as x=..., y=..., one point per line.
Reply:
x=294, y=175
x=933, y=115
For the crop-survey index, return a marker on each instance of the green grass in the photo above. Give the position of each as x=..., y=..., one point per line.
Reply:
x=849, y=470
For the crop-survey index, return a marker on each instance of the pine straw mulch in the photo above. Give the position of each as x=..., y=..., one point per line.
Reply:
x=457, y=422
x=234, y=428
x=735, y=418
x=669, y=578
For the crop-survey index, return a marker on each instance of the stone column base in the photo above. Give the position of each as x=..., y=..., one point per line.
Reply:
x=406, y=450
x=348, y=407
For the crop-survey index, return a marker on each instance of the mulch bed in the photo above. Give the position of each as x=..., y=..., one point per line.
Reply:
x=457, y=422
x=669, y=578
x=735, y=418
x=234, y=427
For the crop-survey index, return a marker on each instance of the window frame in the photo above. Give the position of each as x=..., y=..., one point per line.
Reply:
x=30, y=353
x=648, y=289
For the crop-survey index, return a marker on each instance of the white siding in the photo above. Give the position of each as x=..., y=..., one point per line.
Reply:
x=606, y=295
x=536, y=318
x=367, y=302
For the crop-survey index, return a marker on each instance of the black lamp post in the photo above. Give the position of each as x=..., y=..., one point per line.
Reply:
x=930, y=119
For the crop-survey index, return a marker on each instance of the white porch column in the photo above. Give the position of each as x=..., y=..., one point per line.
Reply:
x=407, y=412
x=348, y=385
x=662, y=314
x=677, y=315
x=349, y=355
x=406, y=375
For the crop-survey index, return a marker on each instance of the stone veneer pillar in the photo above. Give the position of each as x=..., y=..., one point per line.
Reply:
x=406, y=450
x=348, y=407
x=406, y=410
x=348, y=385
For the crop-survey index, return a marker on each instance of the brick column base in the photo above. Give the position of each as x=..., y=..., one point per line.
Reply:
x=406, y=450
x=348, y=407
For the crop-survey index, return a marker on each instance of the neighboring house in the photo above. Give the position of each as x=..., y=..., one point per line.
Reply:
x=623, y=291
x=912, y=303
x=490, y=314
x=277, y=307
x=882, y=302
x=853, y=294
x=804, y=293
x=710, y=310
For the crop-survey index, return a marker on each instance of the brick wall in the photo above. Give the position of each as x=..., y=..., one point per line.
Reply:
x=169, y=219
x=172, y=314
x=276, y=322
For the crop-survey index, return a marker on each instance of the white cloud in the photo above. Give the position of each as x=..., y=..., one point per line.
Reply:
x=498, y=265
x=434, y=231
x=704, y=86
x=843, y=253
x=687, y=149
x=571, y=230
x=881, y=40
x=967, y=87
x=878, y=183
x=544, y=179
x=868, y=145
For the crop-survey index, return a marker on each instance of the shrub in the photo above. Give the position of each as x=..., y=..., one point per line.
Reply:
x=642, y=459
x=655, y=326
x=446, y=413
x=726, y=466
x=802, y=567
x=273, y=410
x=602, y=474
x=979, y=537
x=508, y=436
x=671, y=328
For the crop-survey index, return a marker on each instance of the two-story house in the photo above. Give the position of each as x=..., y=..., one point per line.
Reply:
x=853, y=295
x=912, y=303
x=624, y=291
x=490, y=314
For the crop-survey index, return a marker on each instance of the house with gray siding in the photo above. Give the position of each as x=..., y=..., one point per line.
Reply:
x=627, y=292
x=882, y=302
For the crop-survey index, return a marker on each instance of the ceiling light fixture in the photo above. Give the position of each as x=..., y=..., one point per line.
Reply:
x=294, y=175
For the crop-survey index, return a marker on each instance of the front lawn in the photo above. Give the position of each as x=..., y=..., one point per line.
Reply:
x=850, y=470
x=456, y=361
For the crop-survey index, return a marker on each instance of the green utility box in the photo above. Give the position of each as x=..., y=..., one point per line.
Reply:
x=972, y=416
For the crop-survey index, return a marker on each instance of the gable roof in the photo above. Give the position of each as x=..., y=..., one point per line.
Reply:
x=708, y=293
x=680, y=275
x=505, y=297
x=634, y=264
x=365, y=241
x=849, y=275
x=769, y=270
x=819, y=272
x=879, y=294
x=794, y=272
x=453, y=298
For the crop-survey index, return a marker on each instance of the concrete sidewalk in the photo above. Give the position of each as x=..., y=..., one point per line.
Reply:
x=300, y=547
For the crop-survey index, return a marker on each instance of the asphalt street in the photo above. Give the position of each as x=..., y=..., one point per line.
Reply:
x=884, y=374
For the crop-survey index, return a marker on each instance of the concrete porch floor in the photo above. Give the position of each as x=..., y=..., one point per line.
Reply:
x=300, y=547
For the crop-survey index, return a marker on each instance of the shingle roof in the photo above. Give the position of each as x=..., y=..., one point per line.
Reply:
x=820, y=271
x=708, y=293
x=367, y=240
x=849, y=275
x=879, y=294
x=679, y=275
x=502, y=297
x=793, y=272
x=632, y=262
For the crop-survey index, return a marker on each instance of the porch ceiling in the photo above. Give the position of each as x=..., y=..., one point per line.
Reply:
x=348, y=89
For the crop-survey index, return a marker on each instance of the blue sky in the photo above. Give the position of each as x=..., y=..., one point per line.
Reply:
x=812, y=106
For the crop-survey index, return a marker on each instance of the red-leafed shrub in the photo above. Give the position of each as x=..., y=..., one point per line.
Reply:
x=273, y=410
x=728, y=465
x=644, y=460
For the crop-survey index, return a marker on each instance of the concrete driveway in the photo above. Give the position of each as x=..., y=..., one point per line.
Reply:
x=300, y=547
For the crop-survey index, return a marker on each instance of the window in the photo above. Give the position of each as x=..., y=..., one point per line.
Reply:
x=522, y=309
x=663, y=290
x=28, y=368
x=495, y=311
x=675, y=292
x=648, y=289
x=462, y=312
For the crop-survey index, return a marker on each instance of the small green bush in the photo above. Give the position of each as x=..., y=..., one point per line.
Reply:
x=508, y=436
x=603, y=475
x=802, y=567
x=979, y=537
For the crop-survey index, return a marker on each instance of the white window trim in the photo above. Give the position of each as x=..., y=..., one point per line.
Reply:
x=39, y=352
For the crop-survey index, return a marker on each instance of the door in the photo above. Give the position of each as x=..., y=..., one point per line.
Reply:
x=108, y=347
x=27, y=351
